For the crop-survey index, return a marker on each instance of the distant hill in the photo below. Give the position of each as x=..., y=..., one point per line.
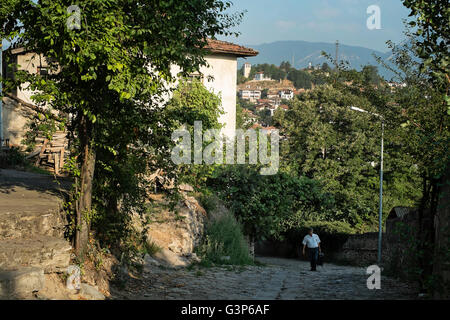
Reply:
x=305, y=52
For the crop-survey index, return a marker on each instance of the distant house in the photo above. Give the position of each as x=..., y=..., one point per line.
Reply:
x=286, y=94
x=251, y=95
x=259, y=76
x=272, y=94
x=263, y=106
x=259, y=101
x=269, y=130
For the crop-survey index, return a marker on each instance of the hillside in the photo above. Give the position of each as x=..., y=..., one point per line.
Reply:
x=304, y=52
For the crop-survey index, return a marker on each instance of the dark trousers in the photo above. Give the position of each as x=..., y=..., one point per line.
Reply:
x=313, y=254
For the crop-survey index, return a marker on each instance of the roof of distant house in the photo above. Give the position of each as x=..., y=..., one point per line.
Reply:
x=248, y=112
x=259, y=126
x=263, y=105
x=218, y=46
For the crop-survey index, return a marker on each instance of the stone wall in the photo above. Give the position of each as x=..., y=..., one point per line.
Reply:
x=360, y=249
x=398, y=245
x=15, y=116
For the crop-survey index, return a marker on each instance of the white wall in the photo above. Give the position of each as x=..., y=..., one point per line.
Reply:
x=30, y=62
x=223, y=70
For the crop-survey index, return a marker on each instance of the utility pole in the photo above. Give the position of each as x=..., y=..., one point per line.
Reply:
x=336, y=61
x=380, y=206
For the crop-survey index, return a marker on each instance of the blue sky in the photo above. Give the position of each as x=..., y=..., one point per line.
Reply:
x=319, y=21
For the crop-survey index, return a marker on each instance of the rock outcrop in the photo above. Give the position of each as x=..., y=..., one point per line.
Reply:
x=176, y=232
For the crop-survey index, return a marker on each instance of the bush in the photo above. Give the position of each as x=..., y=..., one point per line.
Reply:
x=11, y=157
x=224, y=238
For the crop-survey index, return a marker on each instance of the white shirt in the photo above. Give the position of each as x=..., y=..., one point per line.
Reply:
x=311, y=241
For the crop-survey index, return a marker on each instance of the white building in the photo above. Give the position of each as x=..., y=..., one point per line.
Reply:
x=259, y=76
x=247, y=69
x=286, y=94
x=251, y=95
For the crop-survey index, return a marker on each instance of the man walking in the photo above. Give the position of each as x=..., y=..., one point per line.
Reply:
x=312, y=241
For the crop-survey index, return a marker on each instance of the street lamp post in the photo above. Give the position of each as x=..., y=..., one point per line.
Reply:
x=380, y=212
x=1, y=100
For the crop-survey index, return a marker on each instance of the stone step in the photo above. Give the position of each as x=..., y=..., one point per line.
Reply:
x=49, y=253
x=37, y=215
x=20, y=284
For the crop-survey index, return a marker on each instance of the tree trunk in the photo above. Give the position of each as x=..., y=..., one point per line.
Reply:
x=86, y=178
x=426, y=232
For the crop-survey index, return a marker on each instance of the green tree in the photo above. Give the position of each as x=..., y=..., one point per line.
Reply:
x=269, y=205
x=101, y=74
x=265, y=117
x=300, y=78
x=430, y=127
x=329, y=142
x=370, y=75
x=432, y=38
x=325, y=67
x=419, y=113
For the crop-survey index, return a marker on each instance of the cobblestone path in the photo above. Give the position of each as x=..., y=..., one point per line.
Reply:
x=284, y=279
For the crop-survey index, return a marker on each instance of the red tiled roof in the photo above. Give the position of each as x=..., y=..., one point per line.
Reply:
x=217, y=46
x=259, y=126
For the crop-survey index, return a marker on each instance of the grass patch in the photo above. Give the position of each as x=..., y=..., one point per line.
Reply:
x=151, y=248
x=224, y=243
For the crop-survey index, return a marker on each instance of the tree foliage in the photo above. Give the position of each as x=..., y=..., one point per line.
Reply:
x=110, y=75
x=329, y=142
x=432, y=38
x=267, y=205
